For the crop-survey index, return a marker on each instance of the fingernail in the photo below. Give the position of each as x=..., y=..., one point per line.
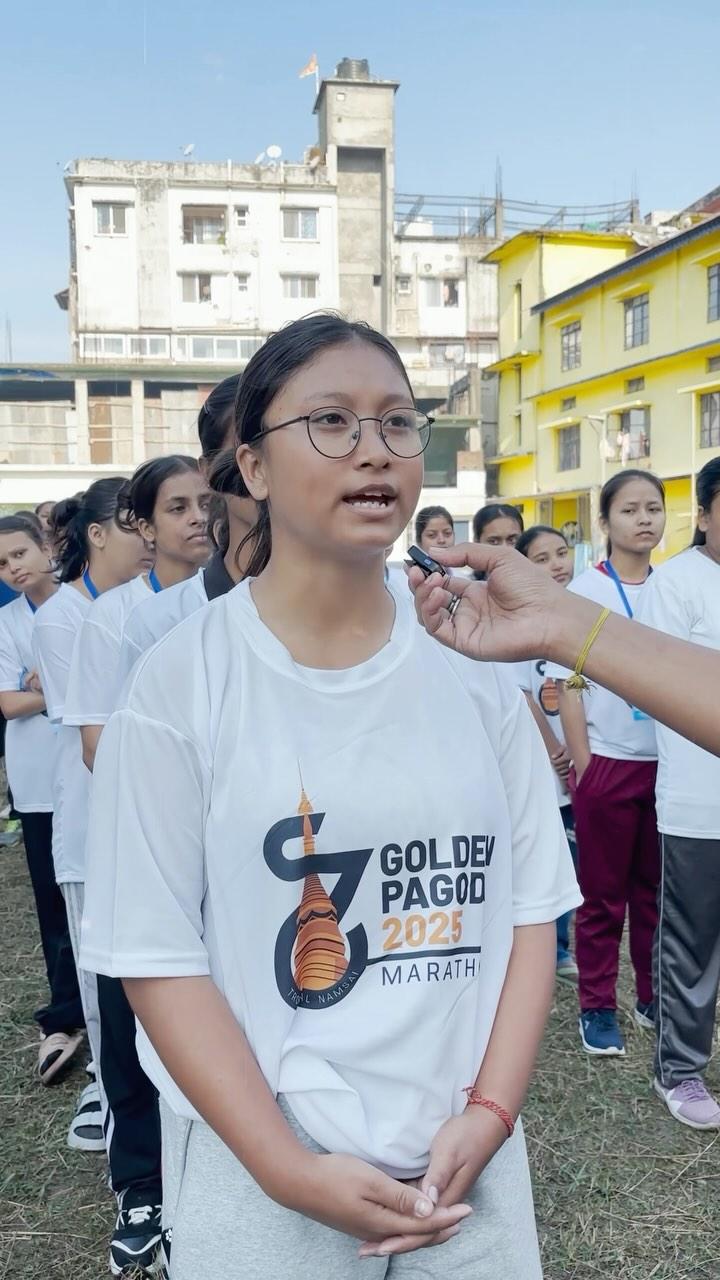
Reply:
x=434, y=1194
x=466, y=1211
x=423, y=1208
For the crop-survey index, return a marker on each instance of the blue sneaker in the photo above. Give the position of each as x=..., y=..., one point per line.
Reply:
x=600, y=1033
x=644, y=1015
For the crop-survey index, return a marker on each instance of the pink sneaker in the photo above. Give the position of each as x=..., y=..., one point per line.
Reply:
x=690, y=1103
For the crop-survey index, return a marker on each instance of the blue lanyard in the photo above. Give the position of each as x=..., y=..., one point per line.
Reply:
x=153, y=580
x=92, y=589
x=612, y=573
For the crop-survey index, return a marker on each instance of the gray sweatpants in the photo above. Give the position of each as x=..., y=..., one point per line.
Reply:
x=223, y=1224
x=686, y=957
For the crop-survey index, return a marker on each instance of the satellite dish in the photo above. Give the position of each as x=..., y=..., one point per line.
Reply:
x=188, y=150
x=274, y=152
x=259, y=159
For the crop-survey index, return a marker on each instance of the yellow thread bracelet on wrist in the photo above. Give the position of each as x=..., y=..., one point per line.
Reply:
x=577, y=679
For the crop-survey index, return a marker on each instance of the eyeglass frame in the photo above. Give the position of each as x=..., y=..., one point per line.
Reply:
x=305, y=417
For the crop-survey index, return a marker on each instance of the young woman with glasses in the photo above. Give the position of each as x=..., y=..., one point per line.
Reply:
x=342, y=978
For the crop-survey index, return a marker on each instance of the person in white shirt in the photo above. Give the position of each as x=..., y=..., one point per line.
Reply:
x=355, y=925
x=25, y=567
x=612, y=745
x=93, y=552
x=683, y=599
x=548, y=548
x=167, y=503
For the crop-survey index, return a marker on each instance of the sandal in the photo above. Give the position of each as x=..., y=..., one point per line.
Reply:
x=86, y=1131
x=56, y=1052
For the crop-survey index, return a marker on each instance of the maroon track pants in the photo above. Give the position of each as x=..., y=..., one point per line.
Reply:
x=618, y=869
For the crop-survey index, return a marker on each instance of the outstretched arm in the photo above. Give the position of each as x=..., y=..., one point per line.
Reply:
x=519, y=612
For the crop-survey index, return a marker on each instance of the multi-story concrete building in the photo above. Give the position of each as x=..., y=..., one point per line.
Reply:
x=613, y=361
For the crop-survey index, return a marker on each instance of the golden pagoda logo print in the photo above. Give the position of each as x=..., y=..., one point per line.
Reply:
x=319, y=956
x=316, y=963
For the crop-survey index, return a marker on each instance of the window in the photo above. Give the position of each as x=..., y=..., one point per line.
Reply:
x=403, y=286
x=241, y=215
x=242, y=282
x=110, y=219
x=637, y=320
x=196, y=288
x=569, y=447
x=571, y=345
x=634, y=384
x=710, y=420
x=517, y=311
x=300, y=286
x=300, y=224
x=441, y=292
x=145, y=345
x=713, y=364
x=634, y=438
x=225, y=347
x=442, y=355
x=568, y=404
x=714, y=292
x=203, y=225
x=103, y=344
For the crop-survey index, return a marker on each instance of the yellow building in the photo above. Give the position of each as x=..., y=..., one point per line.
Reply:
x=610, y=357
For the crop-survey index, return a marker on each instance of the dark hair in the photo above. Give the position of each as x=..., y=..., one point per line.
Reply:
x=31, y=519
x=613, y=486
x=104, y=501
x=707, y=487
x=20, y=523
x=217, y=416
x=286, y=351
x=224, y=476
x=528, y=536
x=217, y=515
x=494, y=511
x=146, y=482
x=427, y=514
x=47, y=503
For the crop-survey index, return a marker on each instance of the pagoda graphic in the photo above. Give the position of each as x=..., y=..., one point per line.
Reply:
x=319, y=955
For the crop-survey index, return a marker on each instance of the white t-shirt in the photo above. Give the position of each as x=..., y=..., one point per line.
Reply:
x=29, y=740
x=95, y=678
x=316, y=842
x=532, y=678
x=615, y=728
x=57, y=624
x=682, y=599
x=152, y=618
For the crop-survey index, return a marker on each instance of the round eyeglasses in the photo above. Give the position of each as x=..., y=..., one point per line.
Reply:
x=336, y=432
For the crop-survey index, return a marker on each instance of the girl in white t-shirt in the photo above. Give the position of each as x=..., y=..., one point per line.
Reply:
x=683, y=599
x=612, y=745
x=434, y=527
x=328, y=926
x=548, y=548
x=93, y=552
x=26, y=567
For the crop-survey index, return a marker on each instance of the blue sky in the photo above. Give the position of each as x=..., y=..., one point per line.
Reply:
x=574, y=97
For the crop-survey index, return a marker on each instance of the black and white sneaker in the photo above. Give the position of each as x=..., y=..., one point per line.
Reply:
x=135, y=1246
x=165, y=1246
x=86, y=1131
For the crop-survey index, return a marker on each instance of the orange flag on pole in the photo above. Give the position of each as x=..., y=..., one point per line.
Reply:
x=310, y=69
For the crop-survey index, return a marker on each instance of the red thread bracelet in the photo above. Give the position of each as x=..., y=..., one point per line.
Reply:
x=476, y=1099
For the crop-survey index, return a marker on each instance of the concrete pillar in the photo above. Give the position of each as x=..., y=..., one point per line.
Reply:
x=82, y=422
x=137, y=401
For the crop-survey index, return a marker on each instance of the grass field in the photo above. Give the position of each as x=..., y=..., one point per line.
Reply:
x=622, y=1191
